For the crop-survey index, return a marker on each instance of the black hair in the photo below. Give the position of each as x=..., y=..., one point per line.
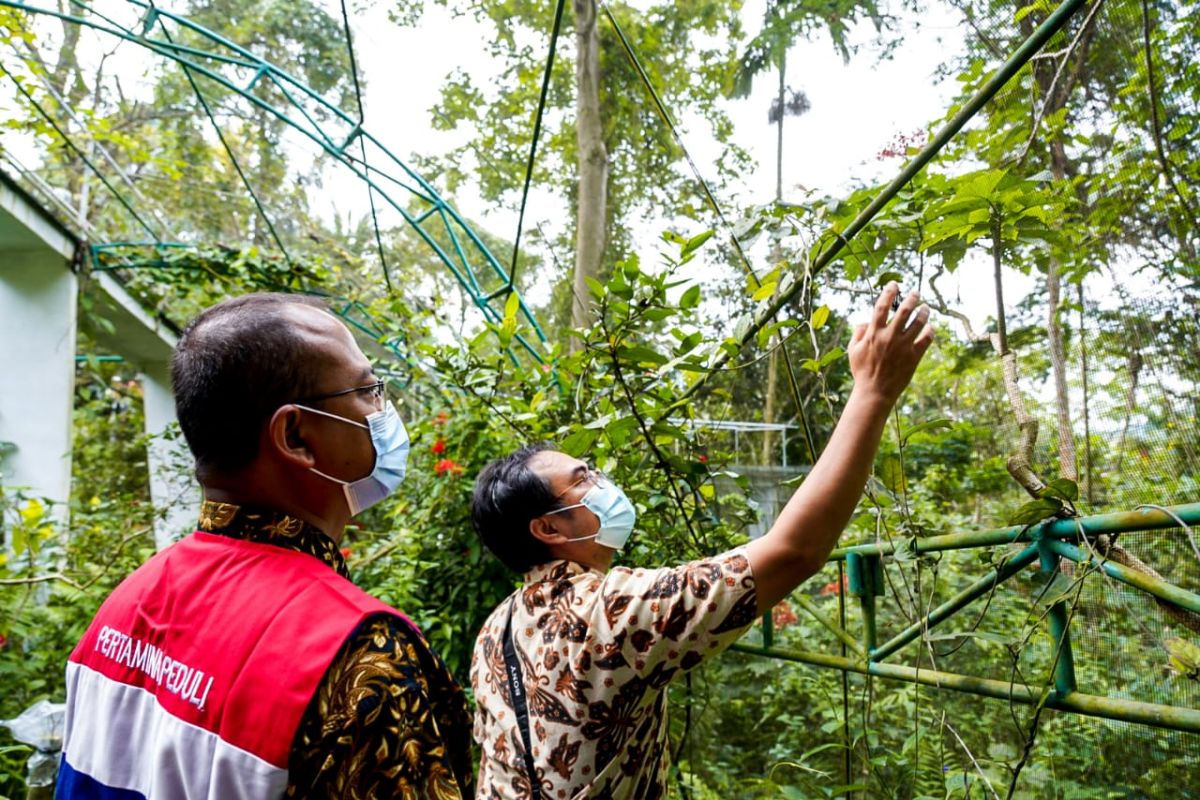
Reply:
x=508, y=495
x=235, y=364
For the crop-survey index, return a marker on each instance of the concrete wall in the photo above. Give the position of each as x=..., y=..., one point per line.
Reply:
x=39, y=297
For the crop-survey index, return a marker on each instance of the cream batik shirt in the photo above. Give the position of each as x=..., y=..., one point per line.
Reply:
x=597, y=651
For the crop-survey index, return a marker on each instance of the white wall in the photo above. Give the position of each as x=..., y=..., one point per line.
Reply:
x=37, y=371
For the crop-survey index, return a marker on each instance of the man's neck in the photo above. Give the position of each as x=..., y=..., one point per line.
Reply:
x=597, y=558
x=333, y=528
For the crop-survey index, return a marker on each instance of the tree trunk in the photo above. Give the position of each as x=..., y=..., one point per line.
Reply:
x=779, y=129
x=1058, y=363
x=769, y=410
x=1058, y=357
x=591, y=213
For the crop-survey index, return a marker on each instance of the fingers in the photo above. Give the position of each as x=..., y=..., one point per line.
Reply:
x=884, y=304
x=925, y=337
x=905, y=311
x=859, y=332
x=919, y=320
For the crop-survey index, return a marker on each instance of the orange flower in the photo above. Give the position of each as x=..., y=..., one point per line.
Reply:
x=345, y=552
x=441, y=419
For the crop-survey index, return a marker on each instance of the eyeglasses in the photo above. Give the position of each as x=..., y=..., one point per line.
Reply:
x=375, y=391
x=592, y=476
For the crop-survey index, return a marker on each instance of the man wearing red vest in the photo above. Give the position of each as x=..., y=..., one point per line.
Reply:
x=241, y=662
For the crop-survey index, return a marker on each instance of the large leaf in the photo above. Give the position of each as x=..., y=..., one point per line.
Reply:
x=924, y=427
x=1035, y=511
x=1062, y=489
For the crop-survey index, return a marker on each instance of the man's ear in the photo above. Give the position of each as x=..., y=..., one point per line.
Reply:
x=287, y=435
x=547, y=530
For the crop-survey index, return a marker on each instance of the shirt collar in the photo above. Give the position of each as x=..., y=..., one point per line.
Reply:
x=557, y=570
x=271, y=527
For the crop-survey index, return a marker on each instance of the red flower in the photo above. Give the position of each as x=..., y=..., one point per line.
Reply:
x=3, y=641
x=703, y=459
x=438, y=448
x=782, y=615
x=832, y=586
x=448, y=465
x=345, y=552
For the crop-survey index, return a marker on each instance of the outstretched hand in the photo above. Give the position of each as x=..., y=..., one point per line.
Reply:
x=884, y=353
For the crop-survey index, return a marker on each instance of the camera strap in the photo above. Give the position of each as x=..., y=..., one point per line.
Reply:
x=516, y=690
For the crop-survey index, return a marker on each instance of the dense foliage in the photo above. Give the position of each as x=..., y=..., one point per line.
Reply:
x=1079, y=175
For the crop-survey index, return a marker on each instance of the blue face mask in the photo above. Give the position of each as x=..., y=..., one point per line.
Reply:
x=616, y=514
x=390, y=440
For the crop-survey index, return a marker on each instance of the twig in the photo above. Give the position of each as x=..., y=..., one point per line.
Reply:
x=1156, y=129
x=1050, y=90
x=55, y=576
x=967, y=750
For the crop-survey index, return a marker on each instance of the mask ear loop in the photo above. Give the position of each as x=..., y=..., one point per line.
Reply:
x=333, y=416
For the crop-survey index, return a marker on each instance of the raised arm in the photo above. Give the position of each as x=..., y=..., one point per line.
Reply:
x=883, y=355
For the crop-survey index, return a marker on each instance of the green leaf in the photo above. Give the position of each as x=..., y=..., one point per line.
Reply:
x=930, y=425
x=640, y=354
x=693, y=244
x=819, y=318
x=511, y=306
x=1184, y=657
x=1062, y=489
x=764, y=292
x=891, y=473
x=690, y=298
x=1035, y=511
x=886, y=278
x=580, y=442
x=832, y=356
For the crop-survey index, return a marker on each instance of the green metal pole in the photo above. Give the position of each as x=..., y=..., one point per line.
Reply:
x=1180, y=719
x=1119, y=522
x=968, y=595
x=840, y=239
x=1139, y=580
x=1060, y=629
x=870, y=636
x=805, y=602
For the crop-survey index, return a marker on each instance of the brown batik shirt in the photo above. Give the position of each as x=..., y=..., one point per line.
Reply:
x=387, y=720
x=596, y=653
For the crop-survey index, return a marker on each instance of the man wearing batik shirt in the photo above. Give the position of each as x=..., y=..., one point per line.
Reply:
x=241, y=663
x=587, y=650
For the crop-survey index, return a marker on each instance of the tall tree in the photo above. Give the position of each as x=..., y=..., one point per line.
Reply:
x=605, y=151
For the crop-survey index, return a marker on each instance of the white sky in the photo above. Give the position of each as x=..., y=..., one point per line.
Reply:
x=857, y=109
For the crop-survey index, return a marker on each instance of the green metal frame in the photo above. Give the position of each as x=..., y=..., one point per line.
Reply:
x=1045, y=543
x=477, y=271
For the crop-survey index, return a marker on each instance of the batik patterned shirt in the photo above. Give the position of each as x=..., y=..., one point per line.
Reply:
x=596, y=653
x=388, y=719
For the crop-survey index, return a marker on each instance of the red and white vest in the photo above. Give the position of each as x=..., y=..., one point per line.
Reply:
x=193, y=677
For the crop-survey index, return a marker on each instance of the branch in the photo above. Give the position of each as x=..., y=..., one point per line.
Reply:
x=1156, y=126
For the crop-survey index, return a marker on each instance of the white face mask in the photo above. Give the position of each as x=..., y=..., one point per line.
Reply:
x=390, y=440
x=614, y=510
